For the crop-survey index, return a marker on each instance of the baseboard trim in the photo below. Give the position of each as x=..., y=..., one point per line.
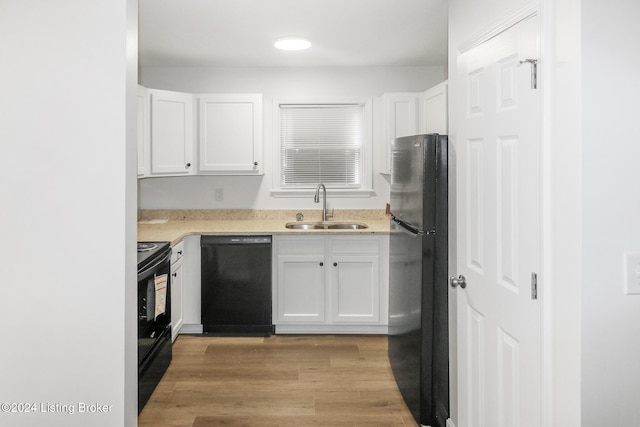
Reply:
x=449, y=423
x=191, y=329
x=332, y=329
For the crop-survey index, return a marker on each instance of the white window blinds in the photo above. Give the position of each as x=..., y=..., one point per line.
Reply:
x=321, y=143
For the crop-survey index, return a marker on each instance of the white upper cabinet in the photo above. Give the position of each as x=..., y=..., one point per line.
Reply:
x=230, y=134
x=171, y=133
x=434, y=117
x=143, y=132
x=409, y=113
x=400, y=118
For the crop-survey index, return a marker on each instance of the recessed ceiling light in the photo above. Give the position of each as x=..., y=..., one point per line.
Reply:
x=292, y=43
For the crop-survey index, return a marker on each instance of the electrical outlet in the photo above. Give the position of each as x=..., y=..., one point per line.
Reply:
x=219, y=194
x=632, y=273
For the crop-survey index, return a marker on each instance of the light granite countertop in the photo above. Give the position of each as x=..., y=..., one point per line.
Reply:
x=174, y=225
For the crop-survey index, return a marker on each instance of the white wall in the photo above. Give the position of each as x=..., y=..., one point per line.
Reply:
x=611, y=211
x=67, y=221
x=198, y=192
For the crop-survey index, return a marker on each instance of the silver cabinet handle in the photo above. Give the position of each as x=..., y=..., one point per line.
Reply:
x=458, y=281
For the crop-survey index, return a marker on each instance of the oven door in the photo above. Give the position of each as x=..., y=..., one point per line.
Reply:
x=154, y=303
x=151, y=370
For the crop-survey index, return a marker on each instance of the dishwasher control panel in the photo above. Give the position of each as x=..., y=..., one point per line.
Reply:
x=236, y=240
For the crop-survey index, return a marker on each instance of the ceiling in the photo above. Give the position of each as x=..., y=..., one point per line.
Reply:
x=241, y=33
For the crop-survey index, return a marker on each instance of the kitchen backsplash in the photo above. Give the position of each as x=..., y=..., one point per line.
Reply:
x=250, y=214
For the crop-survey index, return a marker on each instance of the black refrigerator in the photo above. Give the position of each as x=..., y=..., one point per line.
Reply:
x=418, y=276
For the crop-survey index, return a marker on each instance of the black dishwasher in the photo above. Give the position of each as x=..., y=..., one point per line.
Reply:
x=236, y=285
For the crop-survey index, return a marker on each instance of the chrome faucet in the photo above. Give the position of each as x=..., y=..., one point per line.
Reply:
x=316, y=199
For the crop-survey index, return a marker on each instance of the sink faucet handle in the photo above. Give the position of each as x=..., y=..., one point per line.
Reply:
x=299, y=216
x=330, y=214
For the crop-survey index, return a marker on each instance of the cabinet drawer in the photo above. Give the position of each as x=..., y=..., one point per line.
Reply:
x=177, y=252
x=355, y=245
x=300, y=245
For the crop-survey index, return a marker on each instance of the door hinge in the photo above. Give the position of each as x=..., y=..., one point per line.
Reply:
x=534, y=286
x=534, y=72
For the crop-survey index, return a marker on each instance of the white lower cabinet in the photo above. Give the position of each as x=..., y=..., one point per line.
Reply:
x=300, y=277
x=191, y=296
x=177, y=289
x=355, y=289
x=330, y=284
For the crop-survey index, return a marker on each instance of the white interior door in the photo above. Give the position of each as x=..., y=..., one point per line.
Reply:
x=499, y=238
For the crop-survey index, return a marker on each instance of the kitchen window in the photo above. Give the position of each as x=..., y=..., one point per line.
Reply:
x=323, y=142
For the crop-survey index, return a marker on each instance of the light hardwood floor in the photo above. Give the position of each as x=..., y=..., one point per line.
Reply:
x=283, y=380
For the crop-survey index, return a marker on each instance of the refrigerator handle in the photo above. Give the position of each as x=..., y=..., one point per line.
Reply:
x=409, y=229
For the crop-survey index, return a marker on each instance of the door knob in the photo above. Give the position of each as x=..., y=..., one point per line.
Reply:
x=458, y=281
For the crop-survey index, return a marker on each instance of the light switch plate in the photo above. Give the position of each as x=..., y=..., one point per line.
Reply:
x=632, y=273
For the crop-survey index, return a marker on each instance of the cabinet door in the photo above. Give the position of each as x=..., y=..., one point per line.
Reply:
x=191, y=303
x=176, y=299
x=301, y=290
x=171, y=133
x=400, y=119
x=144, y=130
x=434, y=116
x=355, y=289
x=230, y=134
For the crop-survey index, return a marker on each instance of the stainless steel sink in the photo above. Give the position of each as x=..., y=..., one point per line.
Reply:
x=305, y=225
x=326, y=226
x=346, y=226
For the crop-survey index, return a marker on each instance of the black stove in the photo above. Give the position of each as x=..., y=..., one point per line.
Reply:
x=149, y=251
x=154, y=316
x=146, y=246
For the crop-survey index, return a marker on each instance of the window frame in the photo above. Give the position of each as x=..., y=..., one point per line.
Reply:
x=366, y=153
